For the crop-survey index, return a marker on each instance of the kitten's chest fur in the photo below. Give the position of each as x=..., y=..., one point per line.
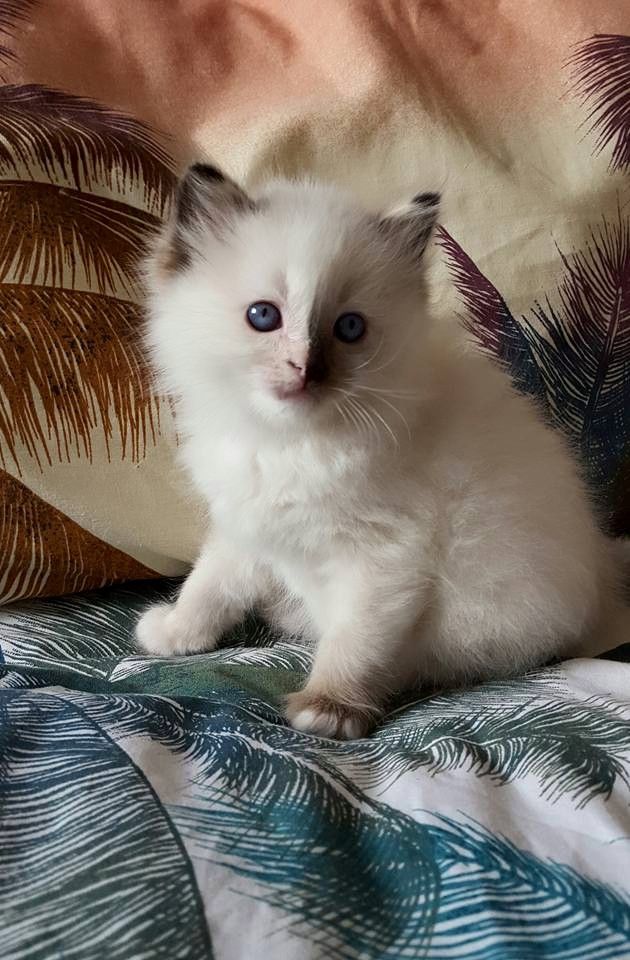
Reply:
x=280, y=500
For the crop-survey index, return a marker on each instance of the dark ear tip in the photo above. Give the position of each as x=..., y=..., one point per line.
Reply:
x=207, y=172
x=427, y=199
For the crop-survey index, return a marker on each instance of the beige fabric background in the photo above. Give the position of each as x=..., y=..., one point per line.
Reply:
x=477, y=100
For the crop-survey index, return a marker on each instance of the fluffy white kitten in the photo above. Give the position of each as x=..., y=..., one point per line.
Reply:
x=370, y=484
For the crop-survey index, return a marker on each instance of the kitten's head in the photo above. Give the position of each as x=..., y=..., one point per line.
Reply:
x=294, y=306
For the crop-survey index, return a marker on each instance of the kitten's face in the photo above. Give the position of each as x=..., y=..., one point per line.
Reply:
x=297, y=305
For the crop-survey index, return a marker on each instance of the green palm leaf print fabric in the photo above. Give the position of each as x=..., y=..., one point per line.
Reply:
x=163, y=808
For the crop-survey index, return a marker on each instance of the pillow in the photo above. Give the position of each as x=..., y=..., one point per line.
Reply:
x=82, y=469
x=519, y=117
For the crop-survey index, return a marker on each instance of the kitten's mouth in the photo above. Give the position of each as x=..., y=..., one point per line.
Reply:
x=301, y=395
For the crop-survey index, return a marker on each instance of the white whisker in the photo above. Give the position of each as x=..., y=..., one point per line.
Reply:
x=341, y=411
x=374, y=355
x=363, y=416
x=359, y=423
x=385, y=424
x=387, y=363
x=398, y=412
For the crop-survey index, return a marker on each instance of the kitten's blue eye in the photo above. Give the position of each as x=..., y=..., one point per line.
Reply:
x=264, y=316
x=349, y=327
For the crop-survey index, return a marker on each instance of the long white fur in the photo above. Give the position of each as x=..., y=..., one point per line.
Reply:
x=417, y=519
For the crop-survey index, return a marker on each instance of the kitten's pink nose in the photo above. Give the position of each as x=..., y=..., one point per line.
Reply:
x=299, y=368
x=299, y=377
x=303, y=369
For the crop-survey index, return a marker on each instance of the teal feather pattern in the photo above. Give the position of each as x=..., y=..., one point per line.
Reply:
x=316, y=834
x=86, y=633
x=504, y=731
x=91, y=635
x=91, y=863
x=578, y=749
x=322, y=860
x=492, y=901
x=276, y=808
x=501, y=903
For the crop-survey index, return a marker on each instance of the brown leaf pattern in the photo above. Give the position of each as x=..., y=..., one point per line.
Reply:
x=53, y=236
x=81, y=189
x=13, y=13
x=70, y=344
x=45, y=553
x=71, y=361
x=48, y=134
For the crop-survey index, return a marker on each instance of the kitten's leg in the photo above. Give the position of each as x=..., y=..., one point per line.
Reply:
x=366, y=623
x=220, y=588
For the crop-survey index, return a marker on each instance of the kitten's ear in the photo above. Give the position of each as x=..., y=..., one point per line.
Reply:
x=412, y=224
x=205, y=199
x=206, y=194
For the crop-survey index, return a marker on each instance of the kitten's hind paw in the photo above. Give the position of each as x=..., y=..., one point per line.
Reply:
x=161, y=632
x=326, y=717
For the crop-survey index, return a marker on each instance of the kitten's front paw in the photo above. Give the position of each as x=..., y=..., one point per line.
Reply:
x=323, y=716
x=161, y=632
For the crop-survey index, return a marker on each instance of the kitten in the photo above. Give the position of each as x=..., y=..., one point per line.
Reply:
x=371, y=484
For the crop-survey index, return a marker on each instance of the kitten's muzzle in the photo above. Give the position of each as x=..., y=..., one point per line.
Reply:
x=302, y=376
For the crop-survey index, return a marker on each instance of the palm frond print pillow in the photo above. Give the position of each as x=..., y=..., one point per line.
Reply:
x=81, y=189
x=574, y=358
x=73, y=373
x=86, y=448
